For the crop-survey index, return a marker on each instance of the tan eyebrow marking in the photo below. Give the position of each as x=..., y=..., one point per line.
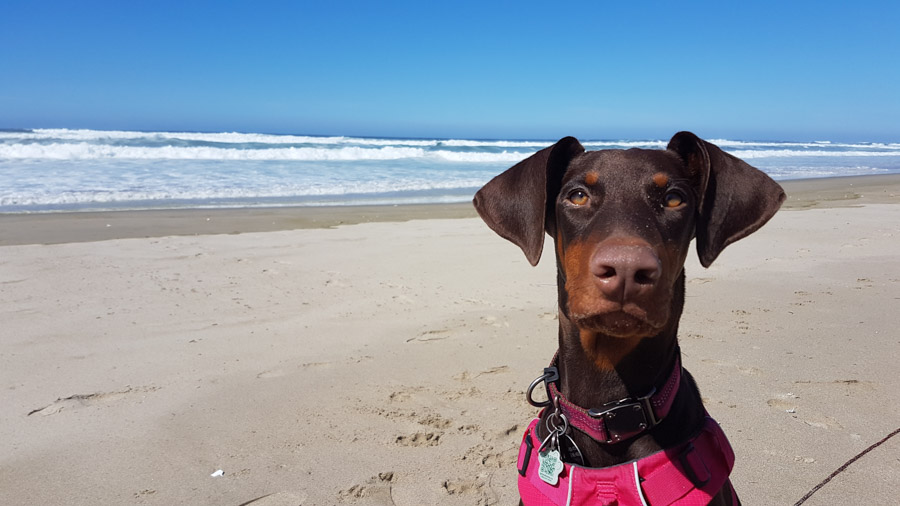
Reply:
x=660, y=179
x=591, y=178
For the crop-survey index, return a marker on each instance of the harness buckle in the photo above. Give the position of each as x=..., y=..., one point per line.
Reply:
x=529, y=446
x=694, y=466
x=627, y=417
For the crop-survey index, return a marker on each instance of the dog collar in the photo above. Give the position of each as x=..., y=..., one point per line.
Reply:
x=615, y=421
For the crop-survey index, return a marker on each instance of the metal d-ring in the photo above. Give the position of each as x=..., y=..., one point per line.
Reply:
x=538, y=380
x=550, y=375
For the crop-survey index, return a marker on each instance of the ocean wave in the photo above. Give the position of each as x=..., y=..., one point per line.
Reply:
x=239, y=138
x=624, y=144
x=63, y=134
x=461, y=143
x=791, y=153
x=87, y=151
x=118, y=195
x=725, y=143
x=83, y=135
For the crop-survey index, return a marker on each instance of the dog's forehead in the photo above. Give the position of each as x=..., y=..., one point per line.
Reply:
x=637, y=164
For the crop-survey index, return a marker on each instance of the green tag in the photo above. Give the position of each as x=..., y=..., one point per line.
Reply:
x=550, y=466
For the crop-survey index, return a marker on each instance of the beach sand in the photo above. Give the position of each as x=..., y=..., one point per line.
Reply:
x=384, y=360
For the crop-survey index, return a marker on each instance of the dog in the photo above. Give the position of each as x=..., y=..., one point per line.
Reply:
x=623, y=422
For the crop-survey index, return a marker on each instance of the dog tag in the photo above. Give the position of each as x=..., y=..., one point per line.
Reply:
x=550, y=466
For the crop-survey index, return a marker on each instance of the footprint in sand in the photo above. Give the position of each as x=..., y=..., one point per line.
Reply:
x=376, y=490
x=863, y=283
x=493, y=321
x=467, y=429
x=786, y=402
x=490, y=457
x=478, y=486
x=420, y=439
x=434, y=420
x=404, y=394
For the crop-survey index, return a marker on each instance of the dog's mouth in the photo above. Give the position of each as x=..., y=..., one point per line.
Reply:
x=626, y=321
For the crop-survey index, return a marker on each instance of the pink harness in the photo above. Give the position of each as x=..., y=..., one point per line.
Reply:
x=688, y=475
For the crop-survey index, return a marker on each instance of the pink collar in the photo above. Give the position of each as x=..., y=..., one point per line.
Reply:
x=618, y=420
x=687, y=475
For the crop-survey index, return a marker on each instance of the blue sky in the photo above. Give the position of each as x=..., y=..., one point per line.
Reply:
x=792, y=70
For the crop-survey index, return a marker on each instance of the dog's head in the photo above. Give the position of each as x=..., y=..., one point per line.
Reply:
x=622, y=221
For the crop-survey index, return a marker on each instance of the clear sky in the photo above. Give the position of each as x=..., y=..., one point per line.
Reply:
x=782, y=70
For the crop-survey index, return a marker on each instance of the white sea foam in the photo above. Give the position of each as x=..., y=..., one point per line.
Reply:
x=725, y=143
x=217, y=138
x=258, y=138
x=222, y=137
x=184, y=193
x=254, y=138
x=88, y=151
x=791, y=153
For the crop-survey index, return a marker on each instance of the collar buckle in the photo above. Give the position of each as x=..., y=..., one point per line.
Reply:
x=627, y=417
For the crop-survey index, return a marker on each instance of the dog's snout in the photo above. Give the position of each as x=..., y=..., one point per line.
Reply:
x=624, y=271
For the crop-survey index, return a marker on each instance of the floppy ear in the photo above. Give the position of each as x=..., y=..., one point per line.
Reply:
x=515, y=204
x=735, y=198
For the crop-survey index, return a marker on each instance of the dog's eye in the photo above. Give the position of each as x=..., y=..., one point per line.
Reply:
x=673, y=199
x=578, y=197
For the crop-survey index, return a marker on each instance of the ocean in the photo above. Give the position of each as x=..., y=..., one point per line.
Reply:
x=46, y=170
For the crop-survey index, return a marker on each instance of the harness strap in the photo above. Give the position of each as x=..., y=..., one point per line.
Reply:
x=704, y=463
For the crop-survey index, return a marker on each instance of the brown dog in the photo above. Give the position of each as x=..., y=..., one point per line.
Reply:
x=622, y=222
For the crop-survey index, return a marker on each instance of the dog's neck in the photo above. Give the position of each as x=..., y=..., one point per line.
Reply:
x=607, y=373
x=615, y=369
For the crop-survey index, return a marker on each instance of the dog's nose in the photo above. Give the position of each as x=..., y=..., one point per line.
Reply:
x=624, y=271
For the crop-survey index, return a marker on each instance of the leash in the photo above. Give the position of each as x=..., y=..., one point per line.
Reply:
x=845, y=466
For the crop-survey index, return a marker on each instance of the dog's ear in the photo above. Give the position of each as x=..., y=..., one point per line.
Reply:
x=515, y=204
x=735, y=198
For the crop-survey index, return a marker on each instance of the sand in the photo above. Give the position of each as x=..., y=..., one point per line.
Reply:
x=385, y=361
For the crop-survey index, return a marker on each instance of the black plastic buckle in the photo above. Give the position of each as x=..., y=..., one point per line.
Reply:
x=626, y=418
x=689, y=469
x=527, y=459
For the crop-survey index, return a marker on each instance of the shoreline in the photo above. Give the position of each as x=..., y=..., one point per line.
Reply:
x=89, y=226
